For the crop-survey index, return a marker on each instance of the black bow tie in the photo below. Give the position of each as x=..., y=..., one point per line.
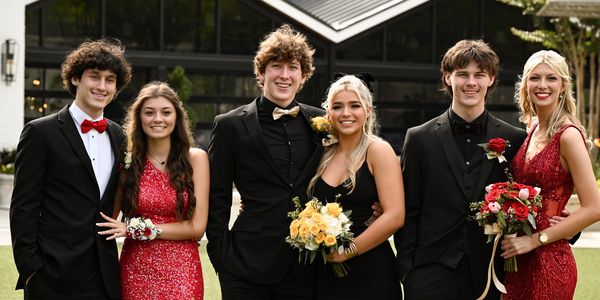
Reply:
x=460, y=127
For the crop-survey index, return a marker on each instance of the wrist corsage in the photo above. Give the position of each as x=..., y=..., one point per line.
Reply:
x=495, y=148
x=142, y=229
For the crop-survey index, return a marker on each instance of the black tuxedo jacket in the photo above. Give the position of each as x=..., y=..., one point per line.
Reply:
x=56, y=203
x=437, y=228
x=254, y=249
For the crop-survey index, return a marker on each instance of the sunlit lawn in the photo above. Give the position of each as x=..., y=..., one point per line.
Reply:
x=588, y=264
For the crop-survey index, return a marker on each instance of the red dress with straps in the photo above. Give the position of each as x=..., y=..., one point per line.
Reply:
x=160, y=269
x=547, y=272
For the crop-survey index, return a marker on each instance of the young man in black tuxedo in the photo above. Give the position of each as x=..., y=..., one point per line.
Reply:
x=66, y=173
x=441, y=254
x=269, y=151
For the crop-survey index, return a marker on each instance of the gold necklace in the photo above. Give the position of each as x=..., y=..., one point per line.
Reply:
x=162, y=163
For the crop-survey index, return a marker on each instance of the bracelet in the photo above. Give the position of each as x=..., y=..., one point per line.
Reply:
x=142, y=229
x=351, y=251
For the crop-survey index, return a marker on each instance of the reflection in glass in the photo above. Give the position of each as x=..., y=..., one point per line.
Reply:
x=67, y=23
x=139, y=33
x=241, y=28
x=410, y=92
x=32, y=25
x=239, y=86
x=36, y=107
x=409, y=40
x=499, y=18
x=450, y=28
x=368, y=47
x=190, y=26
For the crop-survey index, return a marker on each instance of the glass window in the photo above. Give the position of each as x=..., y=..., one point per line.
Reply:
x=238, y=86
x=409, y=40
x=32, y=27
x=502, y=95
x=67, y=23
x=36, y=107
x=241, y=28
x=190, y=26
x=139, y=33
x=368, y=47
x=499, y=18
x=46, y=79
x=455, y=20
x=409, y=92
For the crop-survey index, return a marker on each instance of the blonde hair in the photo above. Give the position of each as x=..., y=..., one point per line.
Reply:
x=370, y=128
x=566, y=101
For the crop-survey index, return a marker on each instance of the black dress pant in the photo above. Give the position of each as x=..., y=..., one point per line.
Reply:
x=92, y=288
x=290, y=288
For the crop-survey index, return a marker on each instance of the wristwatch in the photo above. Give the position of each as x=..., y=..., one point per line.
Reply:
x=543, y=238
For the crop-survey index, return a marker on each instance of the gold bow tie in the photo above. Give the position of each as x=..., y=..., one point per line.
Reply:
x=279, y=112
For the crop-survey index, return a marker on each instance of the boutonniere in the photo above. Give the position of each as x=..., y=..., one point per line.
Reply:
x=495, y=148
x=323, y=129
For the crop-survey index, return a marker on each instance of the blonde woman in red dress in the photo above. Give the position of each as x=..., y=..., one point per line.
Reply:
x=167, y=182
x=555, y=158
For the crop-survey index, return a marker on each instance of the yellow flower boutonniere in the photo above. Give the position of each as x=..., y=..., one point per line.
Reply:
x=323, y=129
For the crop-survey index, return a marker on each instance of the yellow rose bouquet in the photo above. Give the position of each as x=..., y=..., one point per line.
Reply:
x=319, y=228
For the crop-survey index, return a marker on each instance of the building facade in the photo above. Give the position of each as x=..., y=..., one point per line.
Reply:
x=401, y=44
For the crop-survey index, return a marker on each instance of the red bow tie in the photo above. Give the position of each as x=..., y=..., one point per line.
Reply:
x=88, y=125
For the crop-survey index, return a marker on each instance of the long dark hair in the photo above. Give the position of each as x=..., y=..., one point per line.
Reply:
x=178, y=166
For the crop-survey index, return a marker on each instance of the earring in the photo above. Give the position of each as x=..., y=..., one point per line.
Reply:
x=561, y=96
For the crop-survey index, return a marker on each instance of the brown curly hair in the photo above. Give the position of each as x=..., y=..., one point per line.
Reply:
x=100, y=54
x=463, y=53
x=179, y=166
x=284, y=44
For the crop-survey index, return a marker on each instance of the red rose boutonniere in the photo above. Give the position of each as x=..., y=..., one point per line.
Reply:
x=495, y=148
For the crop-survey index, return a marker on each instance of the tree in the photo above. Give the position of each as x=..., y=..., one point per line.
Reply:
x=579, y=41
x=183, y=86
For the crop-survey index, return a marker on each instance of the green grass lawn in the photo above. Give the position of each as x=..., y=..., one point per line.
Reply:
x=588, y=265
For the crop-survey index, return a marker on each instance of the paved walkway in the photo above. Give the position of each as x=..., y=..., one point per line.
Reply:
x=589, y=238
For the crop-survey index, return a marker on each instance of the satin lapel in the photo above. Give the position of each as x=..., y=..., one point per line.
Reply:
x=455, y=159
x=253, y=125
x=493, y=131
x=311, y=165
x=116, y=145
x=70, y=131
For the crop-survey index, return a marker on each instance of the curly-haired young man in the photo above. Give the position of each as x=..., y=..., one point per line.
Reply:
x=66, y=173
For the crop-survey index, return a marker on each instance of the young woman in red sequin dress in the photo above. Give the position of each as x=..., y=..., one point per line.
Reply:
x=167, y=182
x=553, y=157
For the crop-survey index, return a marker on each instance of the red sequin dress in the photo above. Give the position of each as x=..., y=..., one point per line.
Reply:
x=160, y=269
x=547, y=272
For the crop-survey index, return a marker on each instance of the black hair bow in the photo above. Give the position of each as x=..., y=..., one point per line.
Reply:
x=365, y=77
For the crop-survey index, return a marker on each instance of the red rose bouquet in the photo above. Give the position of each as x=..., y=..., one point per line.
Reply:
x=508, y=208
x=495, y=148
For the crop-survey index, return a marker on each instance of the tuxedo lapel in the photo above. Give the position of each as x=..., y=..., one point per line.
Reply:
x=114, y=135
x=310, y=167
x=493, y=130
x=455, y=159
x=69, y=130
x=251, y=122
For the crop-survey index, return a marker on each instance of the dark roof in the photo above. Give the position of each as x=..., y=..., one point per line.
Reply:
x=338, y=20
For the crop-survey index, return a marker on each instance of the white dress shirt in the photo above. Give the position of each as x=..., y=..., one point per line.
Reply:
x=97, y=146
